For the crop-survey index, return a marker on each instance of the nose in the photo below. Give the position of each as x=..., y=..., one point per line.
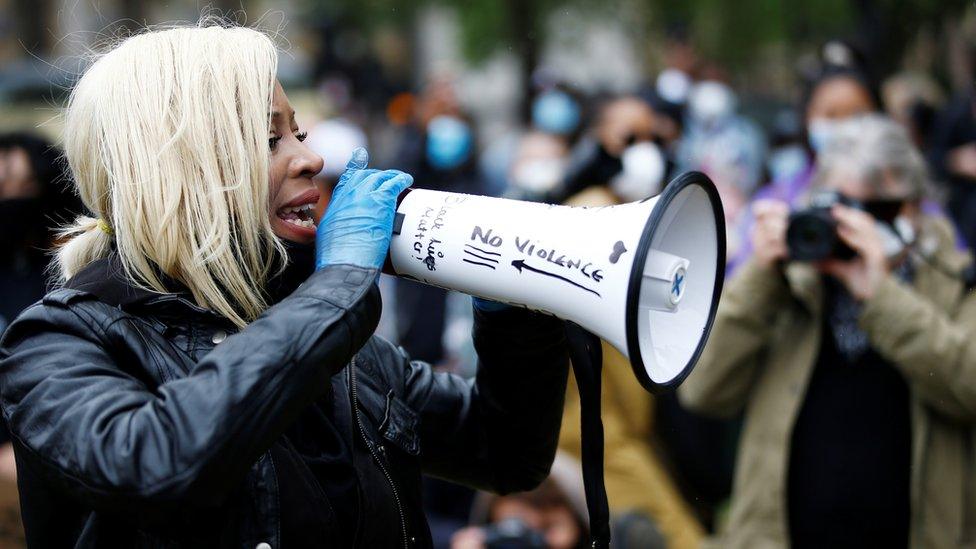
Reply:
x=306, y=163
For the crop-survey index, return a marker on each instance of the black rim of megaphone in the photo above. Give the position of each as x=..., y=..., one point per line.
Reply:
x=637, y=274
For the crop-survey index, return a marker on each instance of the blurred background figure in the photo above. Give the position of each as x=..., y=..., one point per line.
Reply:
x=913, y=99
x=848, y=361
x=835, y=95
x=34, y=196
x=619, y=160
x=539, y=166
x=552, y=516
x=953, y=157
x=723, y=144
x=439, y=148
x=333, y=139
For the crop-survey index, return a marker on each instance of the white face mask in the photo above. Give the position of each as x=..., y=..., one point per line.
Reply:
x=538, y=175
x=643, y=172
x=711, y=102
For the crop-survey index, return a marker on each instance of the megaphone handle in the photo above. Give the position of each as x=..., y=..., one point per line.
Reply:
x=397, y=224
x=586, y=353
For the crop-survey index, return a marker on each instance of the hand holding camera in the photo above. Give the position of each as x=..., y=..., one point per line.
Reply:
x=859, y=232
x=835, y=233
x=769, y=232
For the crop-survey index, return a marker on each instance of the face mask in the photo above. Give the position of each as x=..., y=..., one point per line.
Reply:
x=539, y=175
x=819, y=133
x=449, y=142
x=896, y=230
x=643, y=172
x=886, y=210
x=555, y=112
x=711, y=102
x=787, y=162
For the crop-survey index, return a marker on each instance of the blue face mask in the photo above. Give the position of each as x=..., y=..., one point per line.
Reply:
x=555, y=112
x=819, y=132
x=787, y=162
x=449, y=142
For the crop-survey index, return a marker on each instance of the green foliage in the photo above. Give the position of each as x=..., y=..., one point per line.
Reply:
x=729, y=31
x=733, y=32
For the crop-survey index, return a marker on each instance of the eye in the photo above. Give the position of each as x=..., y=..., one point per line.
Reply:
x=301, y=136
x=273, y=142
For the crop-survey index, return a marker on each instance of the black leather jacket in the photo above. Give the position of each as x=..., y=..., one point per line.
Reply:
x=142, y=420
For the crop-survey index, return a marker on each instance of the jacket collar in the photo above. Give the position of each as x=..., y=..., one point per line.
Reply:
x=106, y=280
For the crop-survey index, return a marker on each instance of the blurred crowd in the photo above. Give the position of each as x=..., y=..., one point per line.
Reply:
x=830, y=407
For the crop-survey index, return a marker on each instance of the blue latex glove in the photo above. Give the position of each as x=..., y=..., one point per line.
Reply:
x=358, y=224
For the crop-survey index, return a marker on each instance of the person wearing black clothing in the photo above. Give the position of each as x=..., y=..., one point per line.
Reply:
x=850, y=457
x=178, y=390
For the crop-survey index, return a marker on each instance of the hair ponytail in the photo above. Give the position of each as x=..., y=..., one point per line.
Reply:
x=84, y=241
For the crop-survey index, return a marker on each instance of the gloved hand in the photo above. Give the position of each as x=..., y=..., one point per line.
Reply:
x=358, y=223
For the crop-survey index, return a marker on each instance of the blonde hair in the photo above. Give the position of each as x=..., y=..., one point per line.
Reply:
x=166, y=136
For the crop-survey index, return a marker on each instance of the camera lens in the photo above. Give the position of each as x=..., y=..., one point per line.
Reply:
x=811, y=235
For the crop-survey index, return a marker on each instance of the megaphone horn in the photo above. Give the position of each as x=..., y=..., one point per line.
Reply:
x=644, y=276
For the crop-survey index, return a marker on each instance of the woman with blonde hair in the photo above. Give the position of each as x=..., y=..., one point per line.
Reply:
x=204, y=376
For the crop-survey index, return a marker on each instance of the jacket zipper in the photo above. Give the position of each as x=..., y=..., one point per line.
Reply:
x=362, y=433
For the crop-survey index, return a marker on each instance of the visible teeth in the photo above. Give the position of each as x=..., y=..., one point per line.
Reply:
x=307, y=223
x=296, y=209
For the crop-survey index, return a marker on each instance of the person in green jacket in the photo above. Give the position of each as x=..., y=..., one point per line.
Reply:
x=856, y=377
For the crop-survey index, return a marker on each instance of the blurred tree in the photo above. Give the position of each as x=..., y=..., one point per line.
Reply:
x=732, y=33
x=487, y=26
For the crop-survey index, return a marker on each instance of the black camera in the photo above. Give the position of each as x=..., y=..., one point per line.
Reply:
x=812, y=233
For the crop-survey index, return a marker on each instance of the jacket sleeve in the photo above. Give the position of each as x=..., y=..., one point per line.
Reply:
x=83, y=424
x=935, y=351
x=499, y=431
x=727, y=369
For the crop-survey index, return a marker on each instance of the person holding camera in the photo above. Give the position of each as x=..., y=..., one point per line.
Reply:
x=848, y=341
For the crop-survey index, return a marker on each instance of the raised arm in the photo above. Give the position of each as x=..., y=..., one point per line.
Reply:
x=82, y=423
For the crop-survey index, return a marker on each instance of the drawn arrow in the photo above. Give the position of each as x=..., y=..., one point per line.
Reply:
x=520, y=264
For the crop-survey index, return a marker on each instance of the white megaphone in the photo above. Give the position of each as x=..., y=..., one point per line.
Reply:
x=644, y=276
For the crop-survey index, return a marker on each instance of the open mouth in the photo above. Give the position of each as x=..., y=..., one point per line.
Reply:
x=298, y=215
x=300, y=212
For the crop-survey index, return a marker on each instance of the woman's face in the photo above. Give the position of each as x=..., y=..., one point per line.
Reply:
x=293, y=193
x=839, y=98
